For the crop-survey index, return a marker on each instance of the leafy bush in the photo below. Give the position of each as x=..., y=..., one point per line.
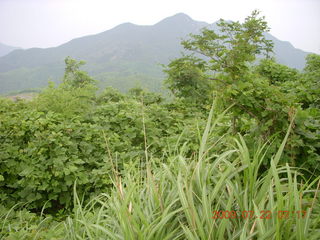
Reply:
x=46, y=146
x=276, y=72
x=43, y=154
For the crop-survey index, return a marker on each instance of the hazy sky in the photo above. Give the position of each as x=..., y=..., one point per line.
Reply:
x=48, y=23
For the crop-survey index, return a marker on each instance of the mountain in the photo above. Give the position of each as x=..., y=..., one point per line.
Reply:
x=287, y=54
x=123, y=57
x=5, y=49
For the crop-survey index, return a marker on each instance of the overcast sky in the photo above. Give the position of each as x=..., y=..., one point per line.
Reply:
x=48, y=23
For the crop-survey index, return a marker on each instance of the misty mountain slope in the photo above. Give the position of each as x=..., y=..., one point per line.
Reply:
x=123, y=57
x=5, y=49
x=287, y=54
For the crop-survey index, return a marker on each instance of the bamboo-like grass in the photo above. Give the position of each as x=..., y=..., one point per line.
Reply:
x=178, y=199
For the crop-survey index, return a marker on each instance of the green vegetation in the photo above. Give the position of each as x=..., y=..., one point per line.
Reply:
x=234, y=154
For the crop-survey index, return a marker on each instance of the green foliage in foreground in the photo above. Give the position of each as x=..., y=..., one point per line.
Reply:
x=177, y=199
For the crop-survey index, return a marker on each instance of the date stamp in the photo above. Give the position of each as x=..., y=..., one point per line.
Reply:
x=265, y=214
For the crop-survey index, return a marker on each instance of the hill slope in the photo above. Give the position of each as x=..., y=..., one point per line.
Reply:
x=5, y=49
x=122, y=57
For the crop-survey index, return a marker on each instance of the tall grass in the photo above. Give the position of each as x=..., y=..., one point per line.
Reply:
x=178, y=199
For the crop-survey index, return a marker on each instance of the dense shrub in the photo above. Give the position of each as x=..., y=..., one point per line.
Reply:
x=44, y=152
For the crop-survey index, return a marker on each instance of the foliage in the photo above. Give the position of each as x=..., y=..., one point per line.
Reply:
x=19, y=223
x=179, y=199
x=307, y=140
x=310, y=82
x=75, y=95
x=64, y=100
x=44, y=153
x=73, y=77
x=186, y=78
x=234, y=46
x=68, y=134
x=145, y=96
x=226, y=71
x=109, y=94
x=304, y=90
x=265, y=97
x=275, y=72
x=312, y=63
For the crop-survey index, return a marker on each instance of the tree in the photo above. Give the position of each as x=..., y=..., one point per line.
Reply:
x=275, y=72
x=306, y=88
x=187, y=79
x=312, y=63
x=226, y=53
x=264, y=98
x=312, y=79
x=75, y=95
x=221, y=61
x=231, y=49
x=145, y=96
x=73, y=77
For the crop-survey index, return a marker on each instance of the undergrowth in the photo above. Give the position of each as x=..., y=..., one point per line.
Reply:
x=208, y=195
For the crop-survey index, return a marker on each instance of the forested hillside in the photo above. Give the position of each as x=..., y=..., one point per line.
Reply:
x=233, y=154
x=123, y=57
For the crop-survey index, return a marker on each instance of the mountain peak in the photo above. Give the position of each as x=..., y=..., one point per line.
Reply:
x=181, y=15
x=179, y=18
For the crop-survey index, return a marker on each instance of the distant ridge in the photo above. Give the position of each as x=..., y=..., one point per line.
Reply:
x=123, y=57
x=5, y=49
